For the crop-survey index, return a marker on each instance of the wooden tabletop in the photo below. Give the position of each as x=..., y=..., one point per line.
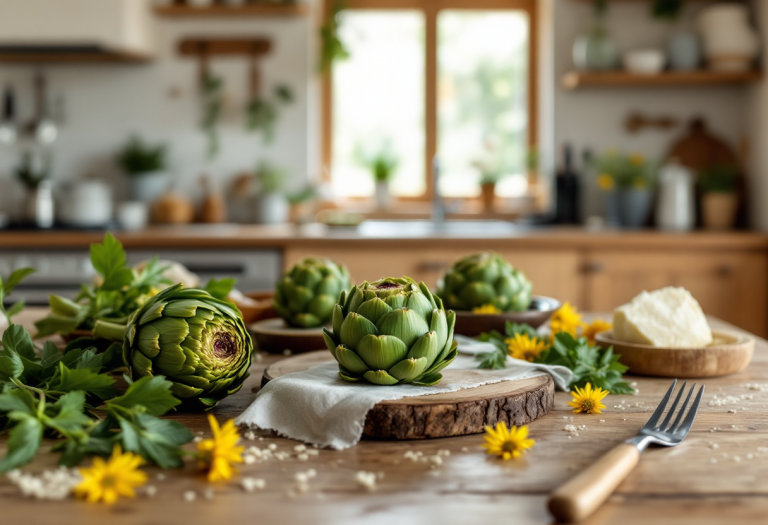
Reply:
x=716, y=476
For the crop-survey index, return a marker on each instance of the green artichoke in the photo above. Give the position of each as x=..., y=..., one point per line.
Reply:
x=307, y=293
x=391, y=331
x=196, y=341
x=484, y=279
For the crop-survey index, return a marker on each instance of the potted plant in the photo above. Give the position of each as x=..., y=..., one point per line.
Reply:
x=301, y=204
x=382, y=165
x=271, y=205
x=719, y=199
x=631, y=177
x=145, y=167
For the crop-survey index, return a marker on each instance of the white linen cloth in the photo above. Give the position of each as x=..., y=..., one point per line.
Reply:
x=316, y=406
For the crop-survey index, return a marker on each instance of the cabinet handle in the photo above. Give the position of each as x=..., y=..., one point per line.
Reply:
x=593, y=267
x=431, y=266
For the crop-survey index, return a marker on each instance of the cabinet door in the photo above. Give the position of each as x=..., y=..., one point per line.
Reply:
x=553, y=273
x=732, y=286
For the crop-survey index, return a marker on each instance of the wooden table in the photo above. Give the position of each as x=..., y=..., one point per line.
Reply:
x=716, y=476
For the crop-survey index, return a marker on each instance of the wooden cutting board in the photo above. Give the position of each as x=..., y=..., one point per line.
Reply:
x=275, y=336
x=458, y=413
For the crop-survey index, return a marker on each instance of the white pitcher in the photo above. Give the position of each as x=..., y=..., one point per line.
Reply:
x=676, y=206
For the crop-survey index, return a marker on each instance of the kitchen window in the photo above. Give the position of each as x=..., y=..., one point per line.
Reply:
x=453, y=77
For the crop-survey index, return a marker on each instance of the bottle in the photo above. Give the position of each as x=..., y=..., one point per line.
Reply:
x=567, y=190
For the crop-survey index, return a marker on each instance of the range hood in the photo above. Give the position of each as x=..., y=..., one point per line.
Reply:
x=75, y=30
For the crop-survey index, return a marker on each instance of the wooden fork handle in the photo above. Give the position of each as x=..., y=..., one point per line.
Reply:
x=584, y=493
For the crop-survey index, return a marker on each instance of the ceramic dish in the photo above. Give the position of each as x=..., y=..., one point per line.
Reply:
x=730, y=352
x=472, y=325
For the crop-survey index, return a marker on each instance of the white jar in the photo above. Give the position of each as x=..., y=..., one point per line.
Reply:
x=730, y=43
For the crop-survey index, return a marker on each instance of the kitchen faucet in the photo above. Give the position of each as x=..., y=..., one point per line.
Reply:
x=438, y=204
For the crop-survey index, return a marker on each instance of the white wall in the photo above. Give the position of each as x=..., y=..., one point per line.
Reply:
x=594, y=117
x=104, y=104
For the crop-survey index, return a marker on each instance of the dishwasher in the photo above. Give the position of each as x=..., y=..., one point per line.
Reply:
x=62, y=271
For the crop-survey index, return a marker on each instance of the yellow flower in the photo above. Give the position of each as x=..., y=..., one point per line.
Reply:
x=219, y=453
x=487, y=309
x=507, y=443
x=597, y=326
x=605, y=182
x=524, y=347
x=636, y=159
x=108, y=480
x=566, y=319
x=639, y=183
x=588, y=400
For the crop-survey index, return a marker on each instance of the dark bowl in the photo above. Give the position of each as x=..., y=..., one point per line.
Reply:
x=472, y=325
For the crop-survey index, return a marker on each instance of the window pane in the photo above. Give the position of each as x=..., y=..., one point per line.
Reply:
x=482, y=99
x=378, y=100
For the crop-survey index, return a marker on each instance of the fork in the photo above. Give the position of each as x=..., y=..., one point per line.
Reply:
x=583, y=494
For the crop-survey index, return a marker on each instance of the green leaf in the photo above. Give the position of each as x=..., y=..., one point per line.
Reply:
x=51, y=355
x=24, y=442
x=151, y=392
x=19, y=400
x=17, y=339
x=71, y=417
x=108, y=258
x=15, y=279
x=67, y=380
x=220, y=288
x=55, y=325
x=11, y=366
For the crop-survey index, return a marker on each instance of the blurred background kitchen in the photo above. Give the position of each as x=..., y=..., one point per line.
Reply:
x=604, y=147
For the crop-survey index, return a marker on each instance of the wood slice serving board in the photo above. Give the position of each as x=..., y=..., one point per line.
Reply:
x=275, y=337
x=458, y=413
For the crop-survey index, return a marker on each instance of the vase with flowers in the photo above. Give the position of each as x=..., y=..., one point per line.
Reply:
x=628, y=180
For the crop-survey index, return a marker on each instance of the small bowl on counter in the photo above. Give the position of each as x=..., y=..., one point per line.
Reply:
x=645, y=61
x=471, y=324
x=729, y=352
x=254, y=306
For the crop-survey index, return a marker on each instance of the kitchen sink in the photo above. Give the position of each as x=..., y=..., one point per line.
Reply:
x=473, y=228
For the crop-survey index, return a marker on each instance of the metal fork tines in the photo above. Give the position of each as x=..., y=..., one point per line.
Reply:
x=668, y=432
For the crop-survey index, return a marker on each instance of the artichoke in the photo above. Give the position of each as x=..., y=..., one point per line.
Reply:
x=196, y=341
x=391, y=331
x=484, y=279
x=307, y=293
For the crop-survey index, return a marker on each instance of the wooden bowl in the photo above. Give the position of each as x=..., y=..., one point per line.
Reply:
x=275, y=336
x=472, y=325
x=258, y=308
x=730, y=352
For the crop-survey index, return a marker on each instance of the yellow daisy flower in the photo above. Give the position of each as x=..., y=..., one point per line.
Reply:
x=636, y=159
x=219, y=453
x=605, y=182
x=588, y=400
x=597, y=326
x=507, y=443
x=525, y=347
x=487, y=309
x=566, y=319
x=108, y=480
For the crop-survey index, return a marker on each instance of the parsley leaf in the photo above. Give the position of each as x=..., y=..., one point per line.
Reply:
x=220, y=288
x=108, y=258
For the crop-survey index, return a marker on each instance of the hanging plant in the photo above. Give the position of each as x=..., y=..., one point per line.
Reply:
x=666, y=9
x=262, y=112
x=331, y=46
x=212, y=94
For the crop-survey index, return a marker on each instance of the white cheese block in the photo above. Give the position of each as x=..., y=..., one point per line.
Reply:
x=669, y=318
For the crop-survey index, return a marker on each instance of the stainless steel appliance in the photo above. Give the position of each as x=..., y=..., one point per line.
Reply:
x=62, y=271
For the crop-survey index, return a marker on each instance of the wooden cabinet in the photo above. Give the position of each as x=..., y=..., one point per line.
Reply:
x=731, y=285
x=554, y=273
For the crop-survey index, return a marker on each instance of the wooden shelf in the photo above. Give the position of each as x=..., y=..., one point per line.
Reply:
x=579, y=80
x=223, y=11
x=69, y=56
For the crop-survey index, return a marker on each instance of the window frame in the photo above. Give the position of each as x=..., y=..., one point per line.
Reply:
x=431, y=9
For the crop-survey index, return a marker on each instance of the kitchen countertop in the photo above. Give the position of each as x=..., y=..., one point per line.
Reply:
x=253, y=236
x=716, y=476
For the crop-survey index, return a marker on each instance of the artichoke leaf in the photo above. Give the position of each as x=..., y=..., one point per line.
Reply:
x=337, y=318
x=322, y=307
x=439, y=325
x=426, y=346
x=380, y=377
x=409, y=368
x=306, y=320
x=428, y=380
x=374, y=309
x=420, y=304
x=381, y=352
x=350, y=360
x=407, y=325
x=354, y=328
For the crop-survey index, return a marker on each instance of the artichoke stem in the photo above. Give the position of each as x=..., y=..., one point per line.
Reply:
x=63, y=307
x=107, y=330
